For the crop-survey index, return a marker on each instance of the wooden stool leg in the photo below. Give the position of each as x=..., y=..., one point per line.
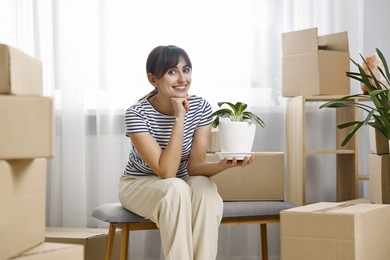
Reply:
x=264, y=242
x=124, y=242
x=110, y=242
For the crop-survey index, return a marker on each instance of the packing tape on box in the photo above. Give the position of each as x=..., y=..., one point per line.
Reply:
x=340, y=206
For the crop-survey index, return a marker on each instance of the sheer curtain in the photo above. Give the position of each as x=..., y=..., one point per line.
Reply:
x=94, y=53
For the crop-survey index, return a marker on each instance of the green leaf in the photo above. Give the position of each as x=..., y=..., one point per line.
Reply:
x=376, y=92
x=239, y=108
x=253, y=117
x=348, y=124
x=223, y=112
x=378, y=116
x=215, y=123
x=382, y=58
x=351, y=134
x=236, y=112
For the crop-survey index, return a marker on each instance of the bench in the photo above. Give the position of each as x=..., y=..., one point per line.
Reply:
x=234, y=213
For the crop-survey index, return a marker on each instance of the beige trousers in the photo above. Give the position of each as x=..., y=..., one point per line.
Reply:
x=187, y=211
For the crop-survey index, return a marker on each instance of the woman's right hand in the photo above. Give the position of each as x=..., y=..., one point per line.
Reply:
x=180, y=106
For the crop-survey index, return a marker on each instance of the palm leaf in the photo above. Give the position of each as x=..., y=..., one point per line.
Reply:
x=351, y=134
x=378, y=116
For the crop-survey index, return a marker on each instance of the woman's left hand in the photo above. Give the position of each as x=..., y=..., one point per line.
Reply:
x=234, y=162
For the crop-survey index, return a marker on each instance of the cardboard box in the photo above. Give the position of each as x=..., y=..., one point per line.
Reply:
x=27, y=127
x=379, y=144
x=93, y=239
x=379, y=178
x=214, y=145
x=315, y=65
x=20, y=74
x=50, y=251
x=23, y=203
x=262, y=180
x=331, y=230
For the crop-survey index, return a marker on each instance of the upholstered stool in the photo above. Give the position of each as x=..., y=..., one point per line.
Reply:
x=234, y=213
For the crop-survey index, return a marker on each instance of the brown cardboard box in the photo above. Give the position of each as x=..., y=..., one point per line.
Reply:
x=379, y=144
x=379, y=177
x=53, y=251
x=27, y=127
x=20, y=74
x=315, y=65
x=331, y=230
x=93, y=240
x=214, y=145
x=22, y=200
x=262, y=180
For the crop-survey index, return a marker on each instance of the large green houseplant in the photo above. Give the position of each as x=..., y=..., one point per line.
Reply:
x=237, y=133
x=378, y=115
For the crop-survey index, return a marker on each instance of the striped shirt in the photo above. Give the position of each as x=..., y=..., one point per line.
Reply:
x=143, y=117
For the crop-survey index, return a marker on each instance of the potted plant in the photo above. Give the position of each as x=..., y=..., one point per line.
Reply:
x=377, y=91
x=237, y=132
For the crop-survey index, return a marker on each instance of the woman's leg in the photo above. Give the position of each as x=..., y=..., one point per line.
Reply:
x=207, y=210
x=167, y=202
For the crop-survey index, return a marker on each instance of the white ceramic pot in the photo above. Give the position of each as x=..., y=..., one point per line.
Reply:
x=237, y=137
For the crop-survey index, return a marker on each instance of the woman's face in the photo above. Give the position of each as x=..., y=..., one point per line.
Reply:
x=176, y=81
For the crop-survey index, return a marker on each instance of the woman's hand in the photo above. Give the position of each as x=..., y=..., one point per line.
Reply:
x=234, y=162
x=180, y=106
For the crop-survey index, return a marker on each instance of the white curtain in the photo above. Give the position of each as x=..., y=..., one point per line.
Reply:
x=94, y=53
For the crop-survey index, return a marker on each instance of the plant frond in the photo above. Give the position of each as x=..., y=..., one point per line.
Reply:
x=384, y=62
x=253, y=117
x=351, y=134
x=348, y=124
x=223, y=112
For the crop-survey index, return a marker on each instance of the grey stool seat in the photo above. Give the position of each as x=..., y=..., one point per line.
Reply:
x=234, y=213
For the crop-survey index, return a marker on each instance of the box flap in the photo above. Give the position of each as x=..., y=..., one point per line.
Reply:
x=299, y=41
x=334, y=42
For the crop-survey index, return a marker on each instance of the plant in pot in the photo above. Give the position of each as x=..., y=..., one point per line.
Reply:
x=237, y=131
x=377, y=91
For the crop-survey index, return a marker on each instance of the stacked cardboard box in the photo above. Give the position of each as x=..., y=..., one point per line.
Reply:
x=26, y=141
x=330, y=231
x=314, y=65
x=379, y=167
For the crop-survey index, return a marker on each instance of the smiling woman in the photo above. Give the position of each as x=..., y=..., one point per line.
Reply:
x=167, y=176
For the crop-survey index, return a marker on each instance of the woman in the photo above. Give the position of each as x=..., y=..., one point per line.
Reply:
x=166, y=178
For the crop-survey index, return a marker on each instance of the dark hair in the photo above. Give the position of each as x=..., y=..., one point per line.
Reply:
x=163, y=58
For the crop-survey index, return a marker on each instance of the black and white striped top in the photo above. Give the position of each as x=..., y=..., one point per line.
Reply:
x=142, y=117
